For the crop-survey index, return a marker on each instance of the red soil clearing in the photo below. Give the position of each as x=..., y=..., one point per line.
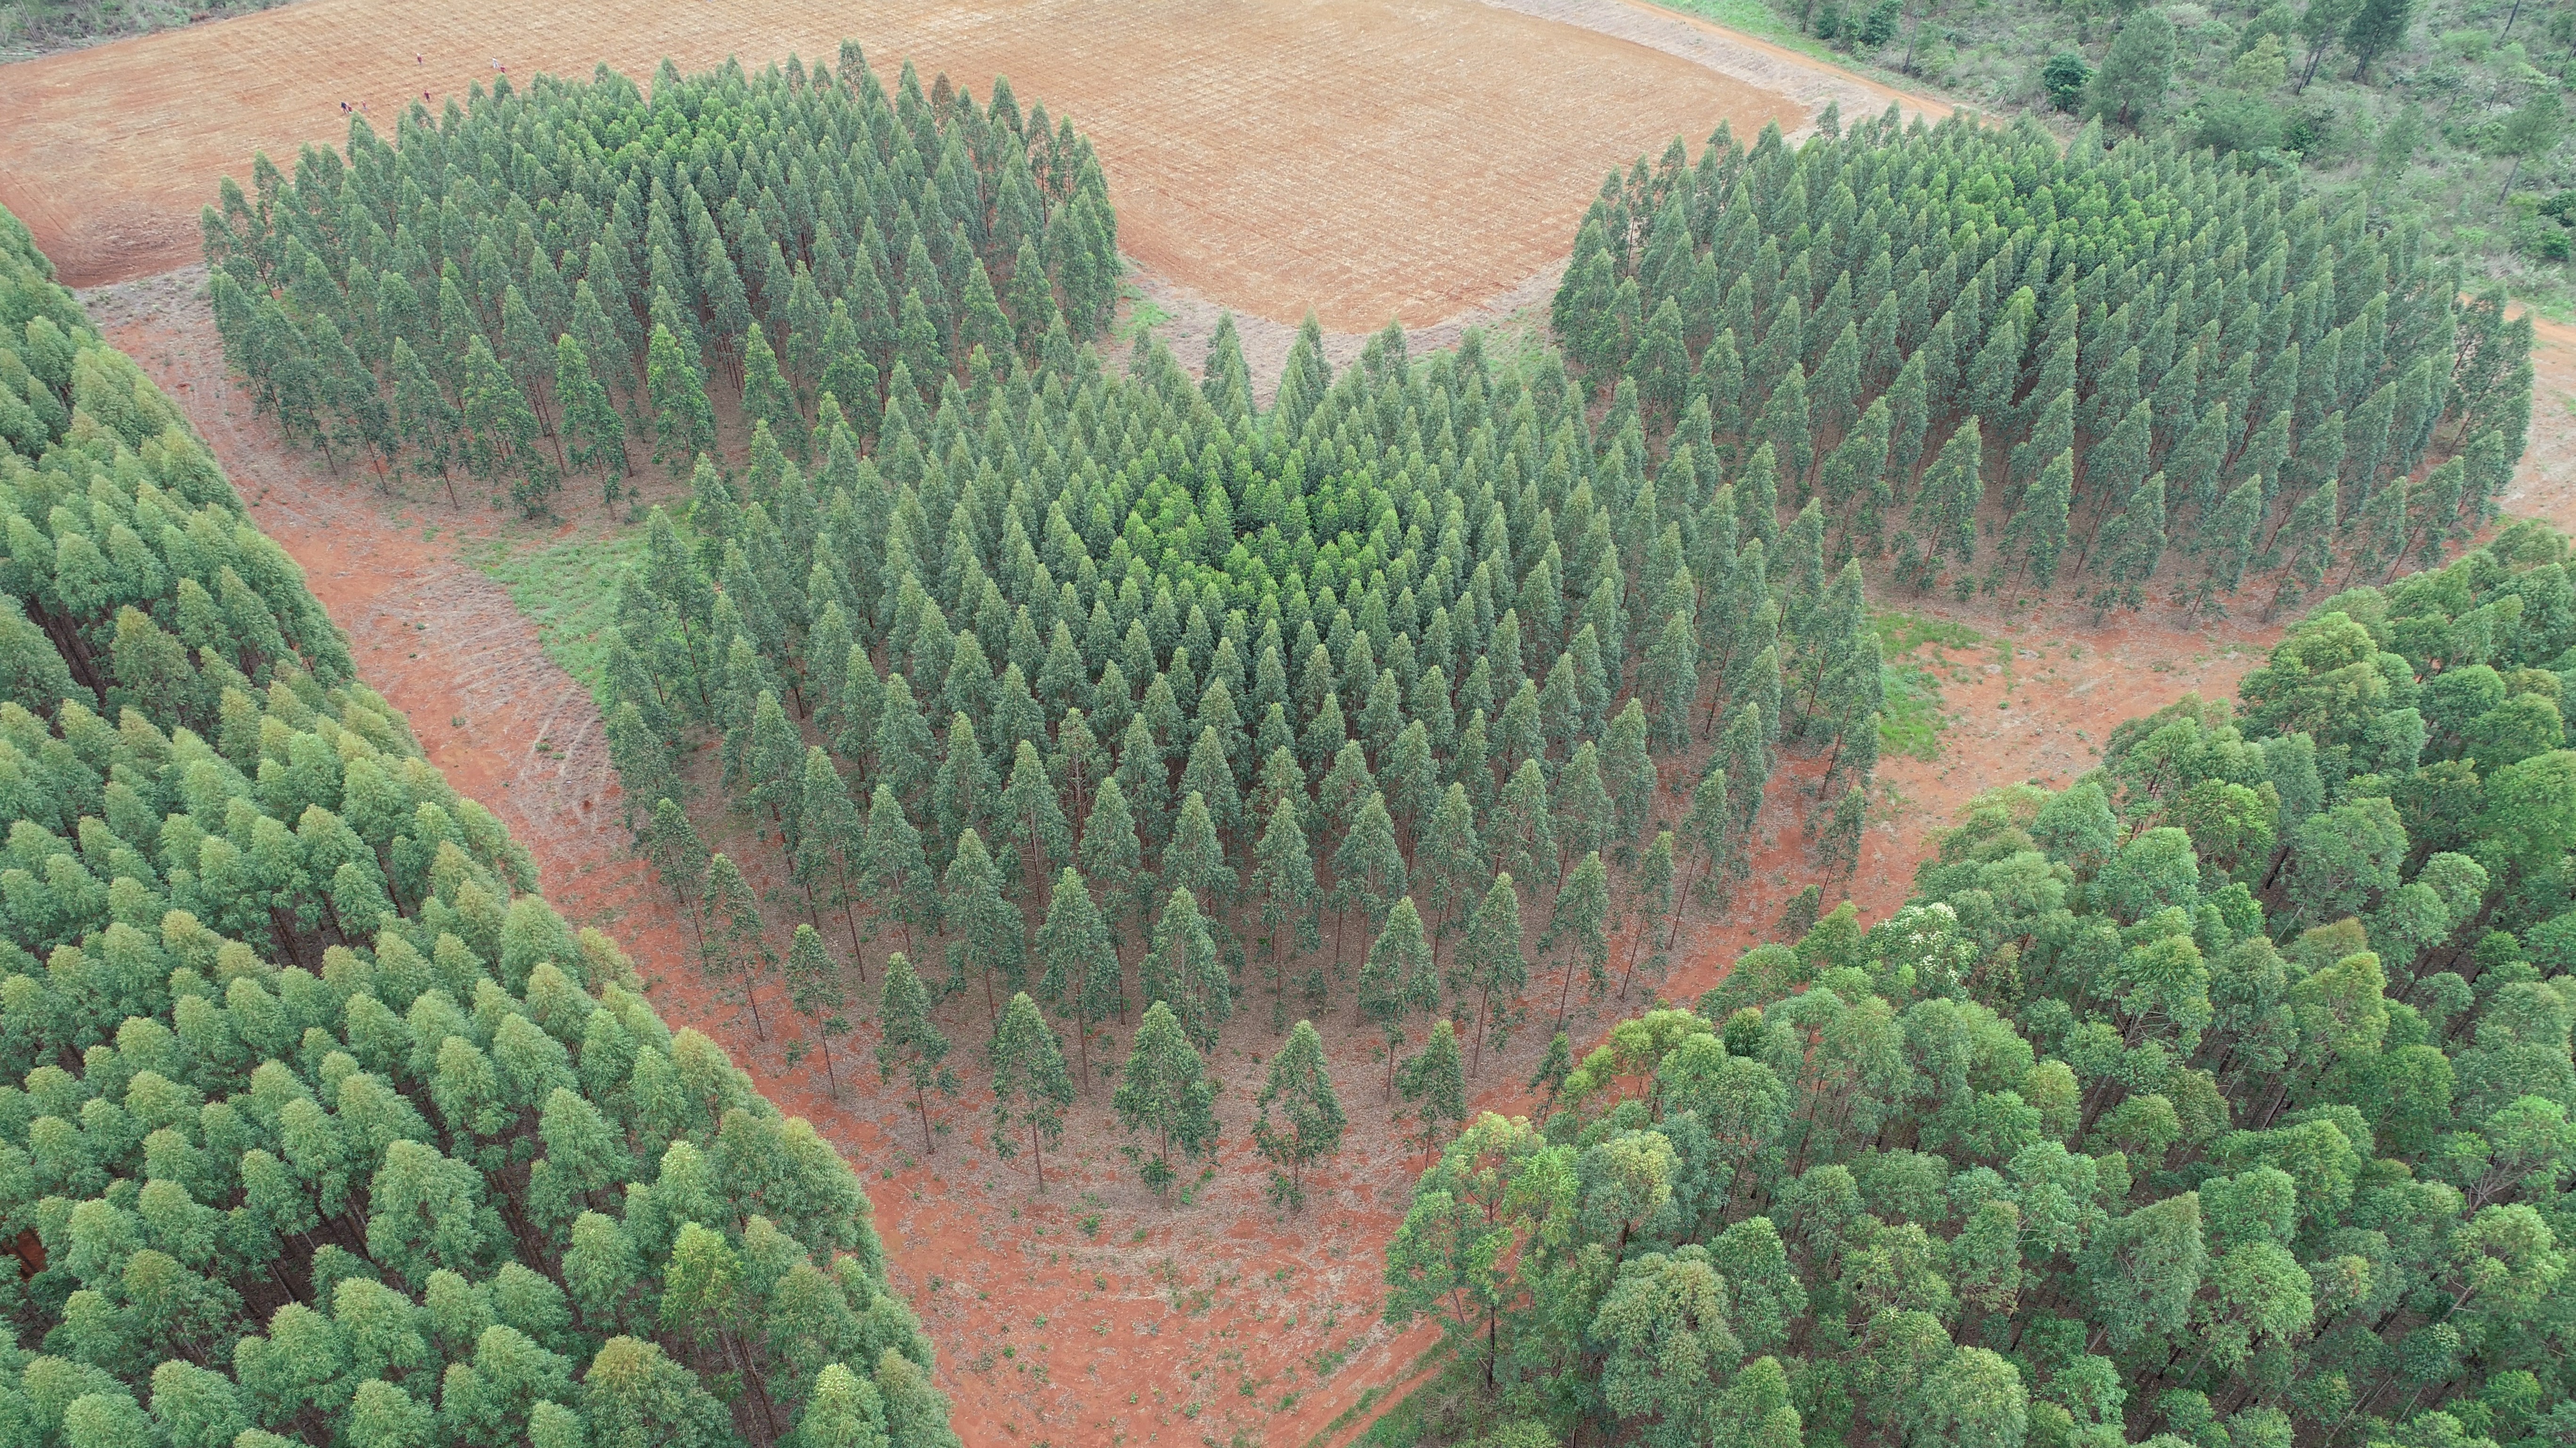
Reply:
x=1365, y=158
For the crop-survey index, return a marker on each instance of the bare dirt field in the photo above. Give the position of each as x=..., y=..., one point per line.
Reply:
x=2545, y=486
x=1365, y=158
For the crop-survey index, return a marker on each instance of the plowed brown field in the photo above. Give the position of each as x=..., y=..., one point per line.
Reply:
x=1366, y=158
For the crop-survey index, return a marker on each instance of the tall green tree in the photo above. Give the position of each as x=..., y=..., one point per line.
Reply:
x=814, y=988
x=1310, y=1121
x=2138, y=68
x=1184, y=970
x=909, y=1041
x=1081, y=973
x=989, y=939
x=1283, y=880
x=1030, y=1088
x=1435, y=1084
x=1164, y=1089
x=735, y=947
x=893, y=870
x=1489, y=959
x=1580, y=921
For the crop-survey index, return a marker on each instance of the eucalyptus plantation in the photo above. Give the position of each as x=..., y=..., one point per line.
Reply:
x=365, y=1144
x=2225, y=1091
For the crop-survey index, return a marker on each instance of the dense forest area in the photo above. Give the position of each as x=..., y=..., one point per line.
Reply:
x=551, y=282
x=2221, y=1098
x=1059, y=676
x=323, y=1127
x=2449, y=112
x=2222, y=1095
x=1976, y=346
x=32, y=26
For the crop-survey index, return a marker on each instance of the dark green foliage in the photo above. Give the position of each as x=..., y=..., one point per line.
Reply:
x=2227, y=1090
x=738, y=276
x=2027, y=328
x=1242, y=667
x=372, y=1147
x=1310, y=1121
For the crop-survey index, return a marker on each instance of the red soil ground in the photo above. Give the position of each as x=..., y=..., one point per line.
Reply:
x=1363, y=157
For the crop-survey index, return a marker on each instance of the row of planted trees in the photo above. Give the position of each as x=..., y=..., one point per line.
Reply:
x=320, y=1125
x=555, y=281
x=1129, y=755
x=2012, y=362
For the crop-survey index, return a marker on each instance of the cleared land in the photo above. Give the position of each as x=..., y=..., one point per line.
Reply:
x=1363, y=157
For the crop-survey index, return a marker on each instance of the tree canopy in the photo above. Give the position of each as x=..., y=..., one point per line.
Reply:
x=322, y=1124
x=2221, y=1096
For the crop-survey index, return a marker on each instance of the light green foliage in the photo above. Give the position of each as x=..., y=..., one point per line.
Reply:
x=368, y=1145
x=2081, y=1141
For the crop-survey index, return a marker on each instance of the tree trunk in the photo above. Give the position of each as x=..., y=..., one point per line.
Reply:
x=1484, y=1007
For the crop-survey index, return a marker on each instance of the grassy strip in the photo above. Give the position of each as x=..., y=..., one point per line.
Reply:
x=1756, y=18
x=1376, y=1395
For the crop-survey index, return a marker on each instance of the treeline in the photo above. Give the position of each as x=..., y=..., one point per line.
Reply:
x=1403, y=654
x=324, y=1127
x=545, y=283
x=2005, y=361
x=2219, y=1098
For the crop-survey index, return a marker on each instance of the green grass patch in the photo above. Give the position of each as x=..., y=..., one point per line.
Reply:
x=1400, y=1428
x=1911, y=717
x=568, y=589
x=1901, y=633
x=1757, y=18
